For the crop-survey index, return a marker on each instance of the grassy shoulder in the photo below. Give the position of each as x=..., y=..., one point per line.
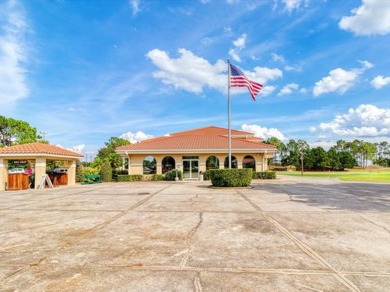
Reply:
x=360, y=175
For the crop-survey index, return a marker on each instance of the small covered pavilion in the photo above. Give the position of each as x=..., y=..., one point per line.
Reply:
x=37, y=155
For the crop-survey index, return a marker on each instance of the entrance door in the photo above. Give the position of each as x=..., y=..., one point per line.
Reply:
x=190, y=168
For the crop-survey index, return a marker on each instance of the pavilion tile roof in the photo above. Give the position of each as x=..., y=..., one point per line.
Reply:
x=39, y=149
x=208, y=138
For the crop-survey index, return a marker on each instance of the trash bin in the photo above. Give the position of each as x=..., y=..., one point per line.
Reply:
x=201, y=176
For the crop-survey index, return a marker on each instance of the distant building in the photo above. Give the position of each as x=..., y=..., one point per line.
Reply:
x=197, y=150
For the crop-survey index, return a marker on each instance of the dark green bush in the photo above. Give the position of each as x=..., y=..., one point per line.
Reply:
x=264, y=175
x=122, y=177
x=122, y=172
x=231, y=177
x=135, y=177
x=157, y=177
x=106, y=172
x=126, y=177
x=171, y=175
x=206, y=175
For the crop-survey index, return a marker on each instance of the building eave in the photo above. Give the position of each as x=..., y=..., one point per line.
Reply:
x=197, y=151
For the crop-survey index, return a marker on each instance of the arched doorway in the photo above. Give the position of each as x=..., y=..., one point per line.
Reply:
x=149, y=165
x=212, y=162
x=249, y=162
x=234, y=162
x=168, y=163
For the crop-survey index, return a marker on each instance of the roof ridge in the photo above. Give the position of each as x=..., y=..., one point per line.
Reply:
x=253, y=142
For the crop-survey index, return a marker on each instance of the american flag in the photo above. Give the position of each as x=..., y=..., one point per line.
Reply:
x=238, y=79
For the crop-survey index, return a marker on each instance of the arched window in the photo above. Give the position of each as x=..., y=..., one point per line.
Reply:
x=234, y=162
x=149, y=165
x=249, y=162
x=168, y=163
x=212, y=162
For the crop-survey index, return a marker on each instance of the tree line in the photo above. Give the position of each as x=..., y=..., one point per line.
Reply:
x=340, y=156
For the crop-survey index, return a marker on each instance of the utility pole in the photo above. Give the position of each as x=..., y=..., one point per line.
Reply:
x=301, y=147
x=43, y=133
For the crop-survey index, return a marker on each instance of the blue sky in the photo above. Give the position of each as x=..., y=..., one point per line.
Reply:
x=85, y=71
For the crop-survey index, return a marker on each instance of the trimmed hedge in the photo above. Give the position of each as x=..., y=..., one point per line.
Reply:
x=171, y=175
x=122, y=172
x=231, y=177
x=157, y=177
x=264, y=175
x=206, y=174
x=126, y=177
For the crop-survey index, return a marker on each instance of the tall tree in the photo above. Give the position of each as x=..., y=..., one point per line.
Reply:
x=280, y=146
x=108, y=153
x=16, y=132
x=291, y=155
x=320, y=158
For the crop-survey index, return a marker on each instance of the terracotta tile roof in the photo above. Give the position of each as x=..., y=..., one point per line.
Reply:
x=212, y=130
x=38, y=148
x=195, y=140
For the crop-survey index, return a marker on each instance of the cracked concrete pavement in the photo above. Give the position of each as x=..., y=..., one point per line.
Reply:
x=289, y=234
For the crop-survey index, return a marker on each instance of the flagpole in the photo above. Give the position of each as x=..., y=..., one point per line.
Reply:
x=229, y=114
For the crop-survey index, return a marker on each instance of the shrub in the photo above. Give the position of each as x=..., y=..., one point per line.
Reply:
x=291, y=168
x=106, y=172
x=264, y=175
x=136, y=177
x=126, y=177
x=279, y=168
x=123, y=177
x=79, y=171
x=157, y=177
x=231, y=177
x=122, y=172
x=90, y=170
x=171, y=175
x=206, y=175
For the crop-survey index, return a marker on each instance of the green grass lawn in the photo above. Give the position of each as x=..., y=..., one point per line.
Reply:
x=370, y=176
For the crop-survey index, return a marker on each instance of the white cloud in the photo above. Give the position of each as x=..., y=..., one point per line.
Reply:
x=227, y=29
x=339, y=80
x=263, y=74
x=135, y=137
x=239, y=44
x=267, y=90
x=134, y=4
x=364, y=121
x=13, y=56
x=192, y=73
x=372, y=17
x=366, y=64
x=294, y=68
x=188, y=71
x=77, y=148
x=288, y=89
x=380, y=81
x=278, y=58
x=291, y=5
x=263, y=132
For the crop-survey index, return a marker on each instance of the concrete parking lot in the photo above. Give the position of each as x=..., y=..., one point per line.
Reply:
x=290, y=234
